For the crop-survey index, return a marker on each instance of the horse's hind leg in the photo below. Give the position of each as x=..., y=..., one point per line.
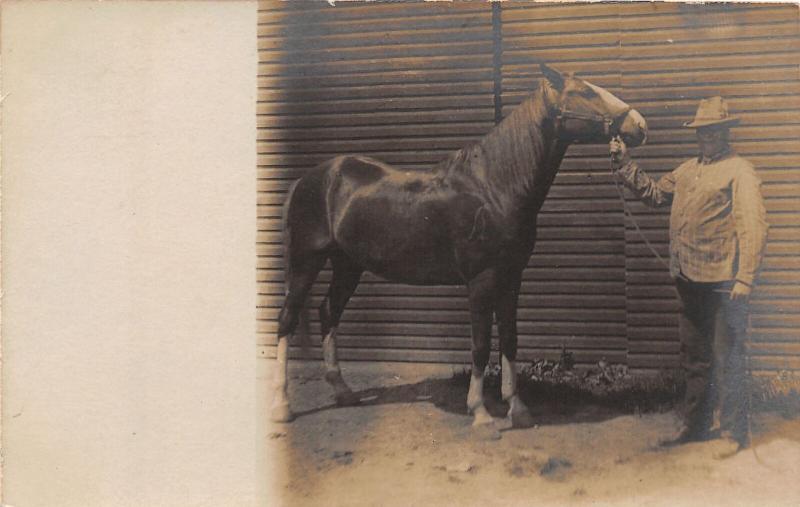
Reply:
x=346, y=276
x=299, y=281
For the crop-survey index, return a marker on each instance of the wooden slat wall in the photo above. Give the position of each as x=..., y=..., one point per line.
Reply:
x=581, y=245
x=672, y=55
x=408, y=83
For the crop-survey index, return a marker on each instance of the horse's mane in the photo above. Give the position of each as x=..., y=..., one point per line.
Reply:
x=506, y=157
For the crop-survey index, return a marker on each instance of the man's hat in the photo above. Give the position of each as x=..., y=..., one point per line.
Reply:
x=712, y=111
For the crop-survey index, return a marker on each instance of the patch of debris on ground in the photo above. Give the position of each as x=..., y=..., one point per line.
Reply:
x=613, y=387
x=777, y=392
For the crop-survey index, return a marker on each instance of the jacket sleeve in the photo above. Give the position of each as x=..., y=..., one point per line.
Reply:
x=751, y=223
x=653, y=193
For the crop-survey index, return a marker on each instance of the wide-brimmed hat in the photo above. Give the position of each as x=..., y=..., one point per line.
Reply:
x=712, y=111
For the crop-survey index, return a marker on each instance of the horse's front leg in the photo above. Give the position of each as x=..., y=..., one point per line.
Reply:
x=506, y=311
x=481, y=306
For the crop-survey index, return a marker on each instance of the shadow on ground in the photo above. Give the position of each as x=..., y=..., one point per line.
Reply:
x=549, y=403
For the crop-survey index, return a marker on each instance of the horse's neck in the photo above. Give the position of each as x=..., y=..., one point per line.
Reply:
x=523, y=157
x=546, y=173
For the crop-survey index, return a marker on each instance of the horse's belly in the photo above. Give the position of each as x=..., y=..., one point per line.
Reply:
x=417, y=264
x=414, y=273
x=412, y=248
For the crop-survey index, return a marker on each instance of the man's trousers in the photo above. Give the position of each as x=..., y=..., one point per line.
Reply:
x=713, y=333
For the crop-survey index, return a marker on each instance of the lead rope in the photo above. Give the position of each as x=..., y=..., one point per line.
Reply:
x=627, y=213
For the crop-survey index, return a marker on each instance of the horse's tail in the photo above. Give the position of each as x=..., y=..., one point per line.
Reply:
x=302, y=333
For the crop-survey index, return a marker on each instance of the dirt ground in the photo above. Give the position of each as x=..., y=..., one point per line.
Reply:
x=410, y=442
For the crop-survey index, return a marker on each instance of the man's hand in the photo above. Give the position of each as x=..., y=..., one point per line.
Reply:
x=618, y=151
x=740, y=291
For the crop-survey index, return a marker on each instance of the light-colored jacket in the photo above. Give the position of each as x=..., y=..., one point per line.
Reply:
x=718, y=227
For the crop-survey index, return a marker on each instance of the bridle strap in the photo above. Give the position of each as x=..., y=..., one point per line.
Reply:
x=607, y=121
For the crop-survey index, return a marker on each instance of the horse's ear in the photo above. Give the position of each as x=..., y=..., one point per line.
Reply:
x=555, y=77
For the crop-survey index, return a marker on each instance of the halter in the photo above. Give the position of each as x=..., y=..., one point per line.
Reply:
x=610, y=125
x=562, y=115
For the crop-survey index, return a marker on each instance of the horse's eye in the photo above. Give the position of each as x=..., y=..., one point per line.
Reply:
x=588, y=93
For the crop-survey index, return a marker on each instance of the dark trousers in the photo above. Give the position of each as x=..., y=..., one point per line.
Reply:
x=713, y=331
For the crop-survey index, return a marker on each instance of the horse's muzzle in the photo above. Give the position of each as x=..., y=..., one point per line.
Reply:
x=633, y=129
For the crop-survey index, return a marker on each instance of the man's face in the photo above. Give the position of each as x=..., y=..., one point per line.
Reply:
x=712, y=140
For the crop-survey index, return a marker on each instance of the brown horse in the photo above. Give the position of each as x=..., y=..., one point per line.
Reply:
x=470, y=220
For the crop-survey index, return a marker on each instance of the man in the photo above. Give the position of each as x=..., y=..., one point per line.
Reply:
x=717, y=235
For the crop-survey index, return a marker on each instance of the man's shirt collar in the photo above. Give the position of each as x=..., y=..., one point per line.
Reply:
x=726, y=152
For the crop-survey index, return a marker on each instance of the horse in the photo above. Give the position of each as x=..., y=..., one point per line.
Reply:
x=469, y=220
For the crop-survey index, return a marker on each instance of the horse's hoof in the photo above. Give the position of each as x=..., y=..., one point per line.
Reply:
x=521, y=419
x=482, y=417
x=347, y=399
x=281, y=414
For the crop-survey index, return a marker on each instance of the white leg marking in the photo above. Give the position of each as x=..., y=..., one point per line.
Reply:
x=509, y=372
x=333, y=374
x=517, y=411
x=475, y=393
x=475, y=401
x=280, y=402
x=482, y=417
x=329, y=351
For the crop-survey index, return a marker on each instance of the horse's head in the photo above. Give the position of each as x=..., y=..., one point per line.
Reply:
x=585, y=112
